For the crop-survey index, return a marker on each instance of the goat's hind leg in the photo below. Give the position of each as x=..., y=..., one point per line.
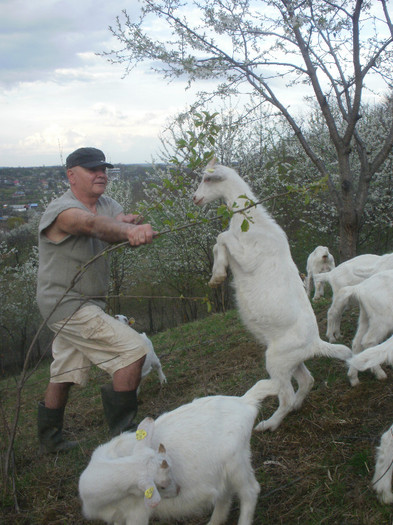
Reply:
x=248, y=501
x=221, y=511
x=248, y=495
x=305, y=381
x=286, y=398
x=244, y=484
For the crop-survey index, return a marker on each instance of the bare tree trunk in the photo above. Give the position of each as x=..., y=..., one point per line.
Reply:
x=348, y=234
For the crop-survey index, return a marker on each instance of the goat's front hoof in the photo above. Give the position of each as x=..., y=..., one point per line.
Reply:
x=216, y=281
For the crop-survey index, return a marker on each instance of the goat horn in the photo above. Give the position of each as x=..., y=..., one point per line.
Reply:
x=161, y=449
x=164, y=464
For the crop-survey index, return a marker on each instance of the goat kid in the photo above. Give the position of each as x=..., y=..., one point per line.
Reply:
x=349, y=273
x=319, y=261
x=152, y=361
x=123, y=470
x=270, y=294
x=204, y=462
x=375, y=324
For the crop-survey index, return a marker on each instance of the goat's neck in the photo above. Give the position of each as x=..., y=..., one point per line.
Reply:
x=240, y=194
x=256, y=214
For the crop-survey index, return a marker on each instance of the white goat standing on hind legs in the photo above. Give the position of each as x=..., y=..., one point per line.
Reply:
x=270, y=294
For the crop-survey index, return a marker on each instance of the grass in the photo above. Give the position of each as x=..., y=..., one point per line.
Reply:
x=316, y=468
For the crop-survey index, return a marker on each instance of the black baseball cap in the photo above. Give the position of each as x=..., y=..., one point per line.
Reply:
x=87, y=158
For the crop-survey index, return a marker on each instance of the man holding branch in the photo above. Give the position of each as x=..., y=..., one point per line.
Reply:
x=73, y=230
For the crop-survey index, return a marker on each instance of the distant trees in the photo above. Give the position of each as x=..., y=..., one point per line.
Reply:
x=19, y=315
x=336, y=51
x=178, y=263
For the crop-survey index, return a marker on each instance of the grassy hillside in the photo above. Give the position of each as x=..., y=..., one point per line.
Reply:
x=315, y=469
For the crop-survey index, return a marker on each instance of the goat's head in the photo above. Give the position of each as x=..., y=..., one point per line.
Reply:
x=322, y=252
x=122, y=318
x=212, y=186
x=156, y=478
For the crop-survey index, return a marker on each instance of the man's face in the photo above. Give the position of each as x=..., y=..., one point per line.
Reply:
x=89, y=182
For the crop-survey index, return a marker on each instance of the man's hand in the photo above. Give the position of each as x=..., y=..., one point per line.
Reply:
x=130, y=218
x=142, y=234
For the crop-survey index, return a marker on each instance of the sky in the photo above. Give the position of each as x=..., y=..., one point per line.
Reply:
x=57, y=95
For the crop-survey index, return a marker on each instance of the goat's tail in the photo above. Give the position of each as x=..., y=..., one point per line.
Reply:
x=333, y=350
x=261, y=389
x=373, y=356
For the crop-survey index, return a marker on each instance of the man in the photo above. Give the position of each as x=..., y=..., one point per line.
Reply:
x=73, y=230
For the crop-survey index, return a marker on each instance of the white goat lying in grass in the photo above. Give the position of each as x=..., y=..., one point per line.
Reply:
x=349, y=273
x=192, y=459
x=319, y=261
x=375, y=298
x=271, y=298
x=152, y=361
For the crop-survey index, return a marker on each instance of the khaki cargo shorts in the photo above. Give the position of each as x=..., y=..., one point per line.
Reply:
x=91, y=336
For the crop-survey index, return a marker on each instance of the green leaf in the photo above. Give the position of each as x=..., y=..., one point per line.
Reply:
x=245, y=225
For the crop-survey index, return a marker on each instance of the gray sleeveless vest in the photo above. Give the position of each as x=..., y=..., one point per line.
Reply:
x=59, y=263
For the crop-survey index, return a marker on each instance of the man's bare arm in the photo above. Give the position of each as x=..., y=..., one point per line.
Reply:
x=75, y=221
x=131, y=218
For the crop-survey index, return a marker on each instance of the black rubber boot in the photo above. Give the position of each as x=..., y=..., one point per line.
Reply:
x=120, y=409
x=50, y=430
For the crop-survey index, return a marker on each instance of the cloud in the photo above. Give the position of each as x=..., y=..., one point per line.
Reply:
x=57, y=94
x=39, y=37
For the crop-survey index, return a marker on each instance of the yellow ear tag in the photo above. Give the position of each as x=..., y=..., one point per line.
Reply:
x=210, y=170
x=140, y=434
x=149, y=492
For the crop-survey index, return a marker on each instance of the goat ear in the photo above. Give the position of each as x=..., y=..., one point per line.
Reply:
x=151, y=495
x=144, y=432
x=211, y=163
